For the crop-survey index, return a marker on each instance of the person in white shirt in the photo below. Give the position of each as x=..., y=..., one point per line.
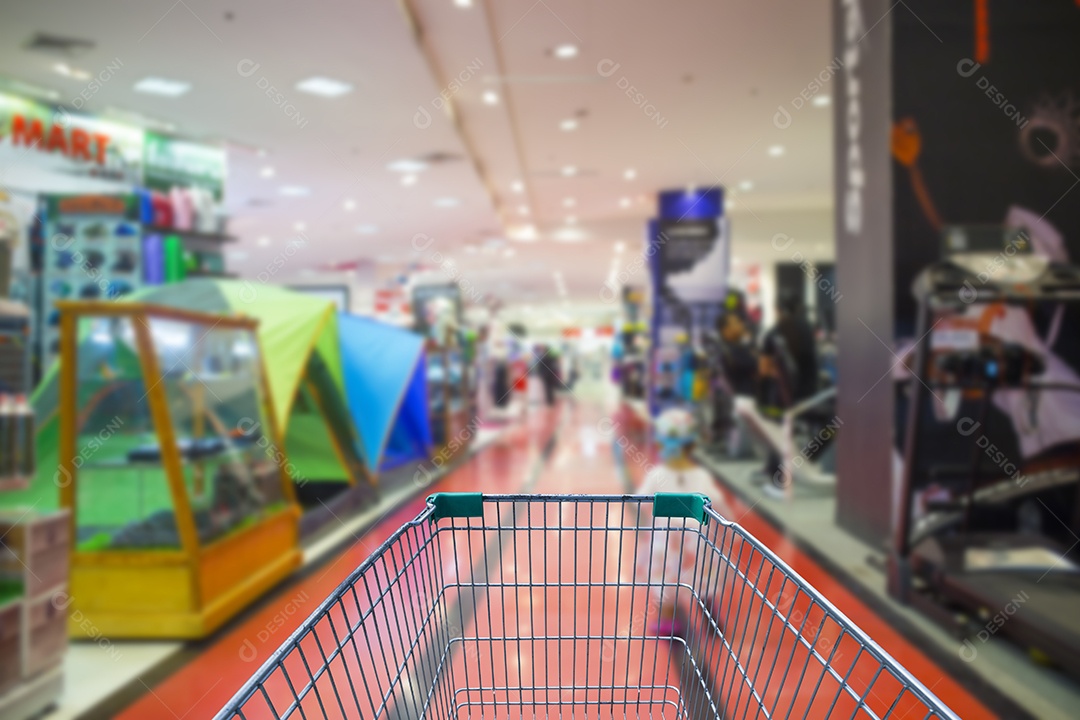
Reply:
x=669, y=554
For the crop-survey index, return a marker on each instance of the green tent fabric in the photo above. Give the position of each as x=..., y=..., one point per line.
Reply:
x=298, y=335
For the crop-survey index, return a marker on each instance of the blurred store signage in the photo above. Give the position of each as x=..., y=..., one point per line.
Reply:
x=49, y=149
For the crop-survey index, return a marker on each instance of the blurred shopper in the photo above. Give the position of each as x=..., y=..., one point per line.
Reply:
x=667, y=559
x=788, y=369
x=547, y=368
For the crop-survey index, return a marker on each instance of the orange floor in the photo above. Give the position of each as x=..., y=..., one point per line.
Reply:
x=586, y=678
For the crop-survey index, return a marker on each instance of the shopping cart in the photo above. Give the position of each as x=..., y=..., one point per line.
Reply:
x=544, y=606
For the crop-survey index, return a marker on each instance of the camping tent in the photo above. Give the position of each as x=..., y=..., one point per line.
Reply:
x=387, y=391
x=298, y=335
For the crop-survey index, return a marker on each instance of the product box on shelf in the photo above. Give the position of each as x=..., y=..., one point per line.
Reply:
x=10, y=643
x=34, y=551
x=44, y=632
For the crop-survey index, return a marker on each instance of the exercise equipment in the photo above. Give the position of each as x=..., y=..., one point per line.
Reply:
x=989, y=508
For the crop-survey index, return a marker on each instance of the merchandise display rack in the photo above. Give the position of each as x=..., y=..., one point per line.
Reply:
x=449, y=395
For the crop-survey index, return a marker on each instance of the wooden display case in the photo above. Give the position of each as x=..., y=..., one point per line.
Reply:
x=225, y=543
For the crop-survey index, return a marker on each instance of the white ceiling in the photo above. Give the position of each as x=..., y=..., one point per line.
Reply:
x=714, y=72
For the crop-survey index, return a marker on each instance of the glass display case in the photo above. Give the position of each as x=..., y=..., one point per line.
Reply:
x=173, y=468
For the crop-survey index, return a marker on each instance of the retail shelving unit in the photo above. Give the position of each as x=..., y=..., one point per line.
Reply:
x=172, y=466
x=449, y=396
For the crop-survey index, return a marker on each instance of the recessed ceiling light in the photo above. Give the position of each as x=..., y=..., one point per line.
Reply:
x=294, y=190
x=349, y=205
x=569, y=171
x=568, y=124
x=71, y=72
x=821, y=101
x=326, y=87
x=490, y=97
x=517, y=186
x=463, y=3
x=523, y=209
x=568, y=235
x=409, y=180
x=523, y=233
x=367, y=229
x=620, y=246
x=407, y=165
x=447, y=202
x=629, y=174
x=264, y=241
x=776, y=150
x=746, y=185
x=162, y=86
x=569, y=202
x=566, y=51
x=267, y=172
x=299, y=226
x=624, y=202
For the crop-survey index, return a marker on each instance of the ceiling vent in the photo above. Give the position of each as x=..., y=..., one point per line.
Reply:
x=440, y=158
x=67, y=47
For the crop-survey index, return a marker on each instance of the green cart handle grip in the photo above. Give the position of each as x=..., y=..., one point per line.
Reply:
x=456, y=505
x=684, y=505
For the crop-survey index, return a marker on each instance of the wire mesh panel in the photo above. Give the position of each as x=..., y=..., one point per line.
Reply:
x=535, y=606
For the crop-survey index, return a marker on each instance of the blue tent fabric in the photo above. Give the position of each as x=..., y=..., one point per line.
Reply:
x=387, y=392
x=410, y=437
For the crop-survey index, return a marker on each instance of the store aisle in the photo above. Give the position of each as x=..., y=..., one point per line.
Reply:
x=600, y=448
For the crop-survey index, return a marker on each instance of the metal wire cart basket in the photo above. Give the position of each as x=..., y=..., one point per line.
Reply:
x=538, y=606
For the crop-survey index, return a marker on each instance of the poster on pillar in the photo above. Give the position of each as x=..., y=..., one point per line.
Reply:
x=688, y=247
x=986, y=129
x=986, y=133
